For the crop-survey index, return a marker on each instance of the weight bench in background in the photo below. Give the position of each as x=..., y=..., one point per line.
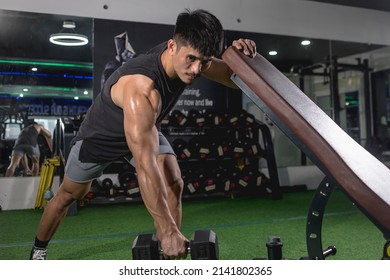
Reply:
x=345, y=163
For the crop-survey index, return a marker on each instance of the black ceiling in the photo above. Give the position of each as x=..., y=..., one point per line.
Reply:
x=26, y=35
x=25, y=41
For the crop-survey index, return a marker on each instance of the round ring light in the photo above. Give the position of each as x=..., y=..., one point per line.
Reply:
x=68, y=39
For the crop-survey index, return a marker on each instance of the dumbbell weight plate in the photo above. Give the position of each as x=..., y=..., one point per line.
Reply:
x=107, y=183
x=204, y=245
x=146, y=247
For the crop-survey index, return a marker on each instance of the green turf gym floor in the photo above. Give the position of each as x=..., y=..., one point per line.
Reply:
x=242, y=226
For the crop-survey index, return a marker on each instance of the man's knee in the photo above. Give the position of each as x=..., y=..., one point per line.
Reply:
x=70, y=191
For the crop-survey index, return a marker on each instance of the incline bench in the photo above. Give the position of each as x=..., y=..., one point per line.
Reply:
x=346, y=164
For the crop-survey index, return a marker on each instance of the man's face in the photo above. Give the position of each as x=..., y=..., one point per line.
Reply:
x=188, y=63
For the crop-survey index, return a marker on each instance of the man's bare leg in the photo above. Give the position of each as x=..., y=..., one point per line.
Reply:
x=15, y=160
x=54, y=213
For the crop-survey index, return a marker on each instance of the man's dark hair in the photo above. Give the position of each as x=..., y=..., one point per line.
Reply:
x=200, y=30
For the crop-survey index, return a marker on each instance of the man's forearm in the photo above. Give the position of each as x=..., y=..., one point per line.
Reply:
x=154, y=195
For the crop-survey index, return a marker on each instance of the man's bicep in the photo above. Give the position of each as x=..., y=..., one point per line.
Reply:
x=139, y=124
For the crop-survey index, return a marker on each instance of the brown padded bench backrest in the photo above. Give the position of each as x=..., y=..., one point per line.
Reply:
x=364, y=178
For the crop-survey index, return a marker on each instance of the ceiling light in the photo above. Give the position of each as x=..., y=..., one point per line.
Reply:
x=305, y=43
x=34, y=69
x=273, y=53
x=69, y=24
x=70, y=38
x=85, y=92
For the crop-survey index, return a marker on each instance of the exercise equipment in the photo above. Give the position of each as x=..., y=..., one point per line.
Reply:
x=192, y=182
x=274, y=248
x=246, y=178
x=209, y=181
x=177, y=118
x=386, y=251
x=247, y=119
x=200, y=147
x=344, y=162
x=252, y=149
x=47, y=175
x=236, y=148
x=203, y=246
x=231, y=182
x=181, y=148
x=196, y=118
x=107, y=183
x=219, y=146
x=212, y=119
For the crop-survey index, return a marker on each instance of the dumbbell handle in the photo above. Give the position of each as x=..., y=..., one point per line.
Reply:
x=188, y=251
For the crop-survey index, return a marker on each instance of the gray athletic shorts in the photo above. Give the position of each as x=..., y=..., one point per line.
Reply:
x=81, y=172
x=22, y=149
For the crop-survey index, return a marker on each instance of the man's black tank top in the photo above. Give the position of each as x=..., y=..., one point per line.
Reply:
x=28, y=136
x=102, y=130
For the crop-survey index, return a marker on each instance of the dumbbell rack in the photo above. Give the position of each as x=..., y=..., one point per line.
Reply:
x=270, y=184
x=118, y=184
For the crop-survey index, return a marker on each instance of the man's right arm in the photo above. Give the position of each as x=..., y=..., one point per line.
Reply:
x=46, y=134
x=141, y=105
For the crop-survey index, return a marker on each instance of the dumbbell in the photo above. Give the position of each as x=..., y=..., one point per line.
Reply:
x=246, y=119
x=107, y=183
x=192, y=183
x=165, y=121
x=230, y=183
x=236, y=148
x=245, y=178
x=177, y=118
x=209, y=181
x=252, y=149
x=181, y=148
x=196, y=118
x=128, y=184
x=203, y=246
x=200, y=147
x=212, y=119
x=97, y=190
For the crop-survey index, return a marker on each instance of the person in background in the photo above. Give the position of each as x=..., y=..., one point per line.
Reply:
x=26, y=145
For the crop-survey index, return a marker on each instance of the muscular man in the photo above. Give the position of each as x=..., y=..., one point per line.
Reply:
x=123, y=122
x=27, y=145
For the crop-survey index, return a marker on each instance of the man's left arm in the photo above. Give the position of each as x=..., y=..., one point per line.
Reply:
x=220, y=72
